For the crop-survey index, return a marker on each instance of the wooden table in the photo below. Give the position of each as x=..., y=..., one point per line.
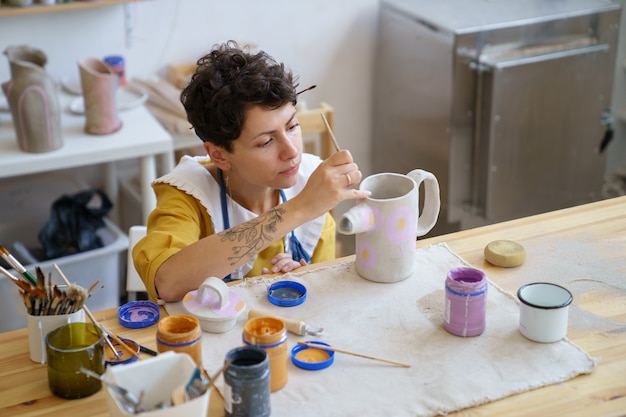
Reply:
x=24, y=389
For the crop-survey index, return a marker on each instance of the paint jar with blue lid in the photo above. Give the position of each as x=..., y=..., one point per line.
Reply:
x=118, y=66
x=465, y=302
x=270, y=334
x=180, y=333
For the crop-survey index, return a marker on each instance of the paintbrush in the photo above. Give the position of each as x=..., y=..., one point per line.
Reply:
x=15, y=264
x=306, y=89
x=24, y=286
x=348, y=352
x=90, y=289
x=330, y=131
x=100, y=325
x=56, y=299
x=40, y=277
x=91, y=293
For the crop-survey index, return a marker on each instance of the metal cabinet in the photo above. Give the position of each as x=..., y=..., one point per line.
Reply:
x=502, y=101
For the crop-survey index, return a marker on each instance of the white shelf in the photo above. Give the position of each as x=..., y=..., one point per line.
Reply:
x=6, y=10
x=141, y=136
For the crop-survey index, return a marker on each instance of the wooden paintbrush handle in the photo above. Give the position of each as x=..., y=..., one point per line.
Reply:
x=293, y=326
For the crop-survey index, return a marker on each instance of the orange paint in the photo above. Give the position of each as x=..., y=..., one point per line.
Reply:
x=312, y=355
x=110, y=357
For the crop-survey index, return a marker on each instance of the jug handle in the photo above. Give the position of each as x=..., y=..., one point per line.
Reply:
x=432, y=203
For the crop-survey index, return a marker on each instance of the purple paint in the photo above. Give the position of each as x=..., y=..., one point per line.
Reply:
x=466, y=302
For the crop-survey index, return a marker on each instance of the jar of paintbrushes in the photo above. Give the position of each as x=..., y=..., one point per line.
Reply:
x=47, y=305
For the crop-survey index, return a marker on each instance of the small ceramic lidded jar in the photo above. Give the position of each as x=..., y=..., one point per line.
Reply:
x=466, y=302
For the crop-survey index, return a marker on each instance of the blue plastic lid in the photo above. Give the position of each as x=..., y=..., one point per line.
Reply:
x=111, y=359
x=114, y=60
x=312, y=359
x=286, y=293
x=138, y=314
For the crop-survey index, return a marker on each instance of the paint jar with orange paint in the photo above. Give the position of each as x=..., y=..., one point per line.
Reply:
x=180, y=333
x=270, y=334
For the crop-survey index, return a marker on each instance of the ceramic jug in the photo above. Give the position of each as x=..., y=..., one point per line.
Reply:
x=387, y=223
x=99, y=83
x=33, y=100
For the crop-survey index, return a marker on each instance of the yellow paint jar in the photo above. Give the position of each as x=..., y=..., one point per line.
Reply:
x=180, y=333
x=270, y=334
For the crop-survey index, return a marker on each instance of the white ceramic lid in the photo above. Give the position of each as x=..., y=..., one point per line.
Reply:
x=214, y=301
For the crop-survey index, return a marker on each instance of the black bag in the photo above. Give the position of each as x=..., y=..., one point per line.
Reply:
x=74, y=221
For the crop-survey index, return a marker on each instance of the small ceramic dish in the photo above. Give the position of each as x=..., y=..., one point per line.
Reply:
x=215, y=305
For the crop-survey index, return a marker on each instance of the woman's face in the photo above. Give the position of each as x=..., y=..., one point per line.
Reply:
x=269, y=150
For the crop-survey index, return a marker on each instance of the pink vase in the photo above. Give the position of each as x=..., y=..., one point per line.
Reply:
x=33, y=101
x=99, y=82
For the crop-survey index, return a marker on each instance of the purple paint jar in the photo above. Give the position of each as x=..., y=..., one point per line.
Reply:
x=466, y=302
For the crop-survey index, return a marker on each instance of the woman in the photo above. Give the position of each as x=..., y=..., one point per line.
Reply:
x=256, y=203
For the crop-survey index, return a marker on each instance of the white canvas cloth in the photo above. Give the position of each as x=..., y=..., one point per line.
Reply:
x=403, y=322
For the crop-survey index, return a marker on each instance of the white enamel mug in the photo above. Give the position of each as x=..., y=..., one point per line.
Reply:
x=544, y=311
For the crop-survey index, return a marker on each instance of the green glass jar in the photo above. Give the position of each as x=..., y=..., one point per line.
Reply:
x=69, y=348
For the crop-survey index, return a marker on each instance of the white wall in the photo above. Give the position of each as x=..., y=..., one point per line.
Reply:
x=326, y=42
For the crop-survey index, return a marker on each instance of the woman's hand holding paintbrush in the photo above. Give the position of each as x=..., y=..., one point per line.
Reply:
x=332, y=182
x=350, y=180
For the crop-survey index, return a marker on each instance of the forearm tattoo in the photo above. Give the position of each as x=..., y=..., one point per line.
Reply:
x=252, y=236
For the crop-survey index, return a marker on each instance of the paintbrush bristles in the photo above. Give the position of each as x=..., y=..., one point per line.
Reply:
x=330, y=131
x=306, y=89
x=46, y=300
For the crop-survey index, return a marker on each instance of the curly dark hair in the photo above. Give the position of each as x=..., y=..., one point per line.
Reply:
x=227, y=81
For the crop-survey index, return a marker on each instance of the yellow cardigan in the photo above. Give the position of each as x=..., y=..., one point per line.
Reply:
x=180, y=220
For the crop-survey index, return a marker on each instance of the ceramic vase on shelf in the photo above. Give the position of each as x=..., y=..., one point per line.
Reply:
x=33, y=100
x=98, y=83
x=19, y=3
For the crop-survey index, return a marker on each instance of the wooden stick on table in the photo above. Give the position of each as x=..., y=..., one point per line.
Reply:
x=349, y=352
x=106, y=332
x=213, y=378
